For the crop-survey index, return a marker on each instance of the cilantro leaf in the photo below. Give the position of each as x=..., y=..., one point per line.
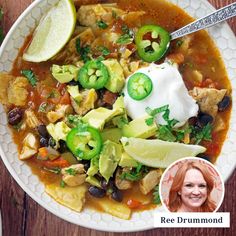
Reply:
x=101, y=24
x=71, y=171
x=200, y=134
x=105, y=51
x=135, y=174
x=62, y=184
x=156, y=195
x=124, y=39
x=29, y=74
x=82, y=51
x=42, y=107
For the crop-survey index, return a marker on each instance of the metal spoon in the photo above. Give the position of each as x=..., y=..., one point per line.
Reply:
x=214, y=18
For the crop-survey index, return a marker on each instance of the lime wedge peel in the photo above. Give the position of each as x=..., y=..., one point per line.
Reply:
x=158, y=153
x=52, y=33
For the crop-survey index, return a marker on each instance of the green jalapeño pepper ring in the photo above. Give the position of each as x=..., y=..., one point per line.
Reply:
x=152, y=42
x=139, y=86
x=84, y=143
x=93, y=74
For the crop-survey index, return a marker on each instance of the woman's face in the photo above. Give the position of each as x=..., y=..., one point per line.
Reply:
x=194, y=190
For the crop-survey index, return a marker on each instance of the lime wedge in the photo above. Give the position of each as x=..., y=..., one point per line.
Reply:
x=158, y=153
x=52, y=33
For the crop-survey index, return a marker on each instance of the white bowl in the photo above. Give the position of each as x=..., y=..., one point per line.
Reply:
x=226, y=42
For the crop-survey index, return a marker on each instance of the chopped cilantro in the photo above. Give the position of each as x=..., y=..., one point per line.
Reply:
x=74, y=120
x=165, y=133
x=62, y=184
x=156, y=195
x=105, y=51
x=71, y=171
x=29, y=74
x=83, y=51
x=101, y=24
x=42, y=107
x=124, y=39
x=199, y=134
x=149, y=121
x=135, y=174
x=18, y=126
x=125, y=29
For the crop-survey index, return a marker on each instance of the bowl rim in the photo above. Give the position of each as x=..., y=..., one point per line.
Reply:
x=24, y=186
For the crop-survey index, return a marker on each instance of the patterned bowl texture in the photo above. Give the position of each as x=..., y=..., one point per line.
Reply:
x=224, y=39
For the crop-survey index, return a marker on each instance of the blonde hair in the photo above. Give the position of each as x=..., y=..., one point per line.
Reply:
x=175, y=200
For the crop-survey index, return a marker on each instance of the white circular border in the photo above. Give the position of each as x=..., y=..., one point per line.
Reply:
x=30, y=183
x=192, y=159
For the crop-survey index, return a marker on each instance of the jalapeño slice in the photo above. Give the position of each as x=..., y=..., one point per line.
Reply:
x=152, y=42
x=139, y=86
x=93, y=74
x=84, y=143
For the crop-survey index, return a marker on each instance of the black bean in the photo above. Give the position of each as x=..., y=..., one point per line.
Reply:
x=63, y=147
x=104, y=184
x=42, y=130
x=97, y=192
x=204, y=119
x=52, y=142
x=224, y=104
x=86, y=164
x=117, y=195
x=73, y=83
x=15, y=116
x=43, y=142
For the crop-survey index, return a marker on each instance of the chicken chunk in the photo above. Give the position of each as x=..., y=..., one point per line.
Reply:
x=13, y=90
x=31, y=119
x=87, y=103
x=150, y=181
x=17, y=92
x=74, y=175
x=207, y=99
x=60, y=112
x=122, y=184
x=30, y=147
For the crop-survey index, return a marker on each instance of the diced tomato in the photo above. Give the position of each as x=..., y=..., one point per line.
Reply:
x=57, y=163
x=209, y=83
x=133, y=204
x=200, y=58
x=65, y=99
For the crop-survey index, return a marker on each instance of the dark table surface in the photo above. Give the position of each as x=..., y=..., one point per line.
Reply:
x=23, y=216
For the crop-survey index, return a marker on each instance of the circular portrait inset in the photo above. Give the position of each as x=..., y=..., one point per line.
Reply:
x=191, y=185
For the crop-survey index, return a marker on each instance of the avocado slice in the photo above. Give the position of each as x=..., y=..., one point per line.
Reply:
x=117, y=78
x=109, y=158
x=112, y=134
x=74, y=93
x=127, y=161
x=93, y=181
x=138, y=128
x=64, y=73
x=98, y=117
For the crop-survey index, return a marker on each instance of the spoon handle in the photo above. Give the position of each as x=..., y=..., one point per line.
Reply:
x=206, y=21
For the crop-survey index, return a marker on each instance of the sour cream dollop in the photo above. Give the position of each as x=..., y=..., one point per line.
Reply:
x=168, y=89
